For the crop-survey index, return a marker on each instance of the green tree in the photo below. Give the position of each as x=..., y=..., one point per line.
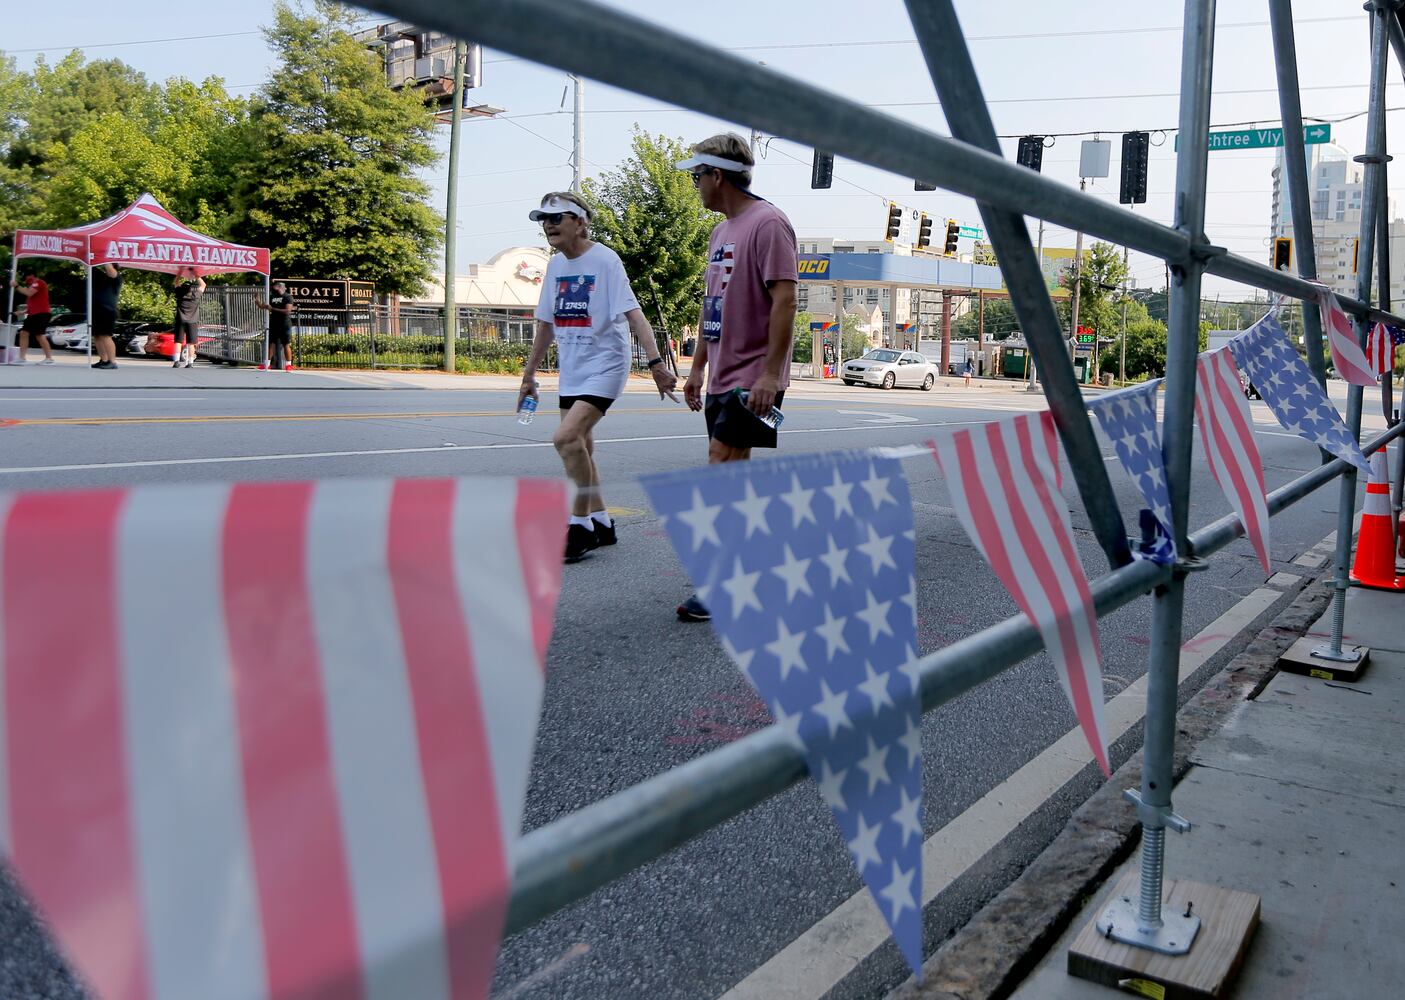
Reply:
x=328, y=175
x=647, y=211
x=1102, y=273
x=1000, y=321
x=1146, y=350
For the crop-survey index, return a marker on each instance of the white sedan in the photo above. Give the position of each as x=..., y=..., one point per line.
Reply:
x=888, y=368
x=69, y=330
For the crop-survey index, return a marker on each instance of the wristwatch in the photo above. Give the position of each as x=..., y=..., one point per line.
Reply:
x=656, y=361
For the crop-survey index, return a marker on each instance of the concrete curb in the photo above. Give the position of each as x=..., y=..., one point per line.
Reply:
x=1002, y=944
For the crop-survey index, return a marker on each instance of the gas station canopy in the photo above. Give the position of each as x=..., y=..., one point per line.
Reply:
x=891, y=269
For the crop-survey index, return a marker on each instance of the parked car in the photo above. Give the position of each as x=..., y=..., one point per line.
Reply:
x=130, y=337
x=888, y=368
x=70, y=330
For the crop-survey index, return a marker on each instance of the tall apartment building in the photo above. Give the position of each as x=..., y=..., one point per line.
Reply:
x=1335, y=191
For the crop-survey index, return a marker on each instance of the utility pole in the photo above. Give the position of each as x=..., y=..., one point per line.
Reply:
x=577, y=145
x=1029, y=354
x=452, y=213
x=1077, y=272
x=1122, y=361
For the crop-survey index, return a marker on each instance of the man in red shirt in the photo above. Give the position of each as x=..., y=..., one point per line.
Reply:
x=36, y=317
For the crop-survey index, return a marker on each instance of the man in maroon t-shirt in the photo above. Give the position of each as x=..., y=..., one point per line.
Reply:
x=748, y=314
x=36, y=315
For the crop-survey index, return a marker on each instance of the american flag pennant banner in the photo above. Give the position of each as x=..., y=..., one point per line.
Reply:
x=807, y=564
x=1347, y=356
x=1128, y=418
x=1003, y=484
x=1380, y=348
x=1227, y=435
x=1267, y=358
x=286, y=752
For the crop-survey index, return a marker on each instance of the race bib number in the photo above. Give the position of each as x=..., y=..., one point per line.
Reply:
x=572, y=307
x=712, y=318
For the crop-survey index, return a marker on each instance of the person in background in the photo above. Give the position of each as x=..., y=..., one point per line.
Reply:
x=280, y=309
x=107, y=284
x=748, y=314
x=36, y=315
x=589, y=309
x=189, y=287
x=967, y=370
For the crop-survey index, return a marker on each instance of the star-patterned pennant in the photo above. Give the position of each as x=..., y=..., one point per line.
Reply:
x=1128, y=418
x=1264, y=354
x=807, y=565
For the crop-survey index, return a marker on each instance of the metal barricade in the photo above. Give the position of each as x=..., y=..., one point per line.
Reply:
x=570, y=857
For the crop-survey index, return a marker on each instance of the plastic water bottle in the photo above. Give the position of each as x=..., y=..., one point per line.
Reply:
x=528, y=411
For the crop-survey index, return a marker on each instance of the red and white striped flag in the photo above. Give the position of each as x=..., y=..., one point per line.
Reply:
x=1347, y=356
x=1003, y=480
x=1227, y=434
x=282, y=749
x=1380, y=349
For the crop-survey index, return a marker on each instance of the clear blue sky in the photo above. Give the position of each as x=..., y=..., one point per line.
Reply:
x=1091, y=66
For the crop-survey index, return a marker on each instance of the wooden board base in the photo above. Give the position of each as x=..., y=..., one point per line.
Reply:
x=1227, y=922
x=1299, y=660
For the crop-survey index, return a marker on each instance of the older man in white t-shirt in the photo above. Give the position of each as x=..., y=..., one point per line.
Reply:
x=588, y=308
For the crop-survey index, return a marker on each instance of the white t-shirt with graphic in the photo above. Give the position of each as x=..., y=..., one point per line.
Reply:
x=586, y=299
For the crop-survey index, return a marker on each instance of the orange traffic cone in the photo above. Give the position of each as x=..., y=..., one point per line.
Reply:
x=1375, y=545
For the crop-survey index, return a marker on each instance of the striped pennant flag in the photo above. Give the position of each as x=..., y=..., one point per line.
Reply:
x=1227, y=434
x=1003, y=480
x=1380, y=349
x=285, y=754
x=1347, y=356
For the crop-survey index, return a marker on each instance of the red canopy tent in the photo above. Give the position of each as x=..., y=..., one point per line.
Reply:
x=144, y=236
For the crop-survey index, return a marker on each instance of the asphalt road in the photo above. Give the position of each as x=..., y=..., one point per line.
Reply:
x=631, y=691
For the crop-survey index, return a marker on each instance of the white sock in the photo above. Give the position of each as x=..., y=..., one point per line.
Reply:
x=603, y=516
x=584, y=522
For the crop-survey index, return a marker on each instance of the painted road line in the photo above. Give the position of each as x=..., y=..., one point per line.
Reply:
x=441, y=449
x=254, y=418
x=1319, y=553
x=817, y=961
x=91, y=399
x=1284, y=580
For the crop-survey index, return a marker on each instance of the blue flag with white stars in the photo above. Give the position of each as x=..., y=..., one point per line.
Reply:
x=807, y=565
x=1128, y=418
x=1284, y=380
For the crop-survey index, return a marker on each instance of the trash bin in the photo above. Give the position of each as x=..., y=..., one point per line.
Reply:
x=1080, y=370
x=1013, y=363
x=1107, y=380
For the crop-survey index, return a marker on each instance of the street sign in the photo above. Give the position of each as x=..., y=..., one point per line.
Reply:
x=971, y=232
x=1262, y=138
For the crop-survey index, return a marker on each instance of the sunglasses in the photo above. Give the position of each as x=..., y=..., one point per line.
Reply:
x=698, y=175
x=555, y=218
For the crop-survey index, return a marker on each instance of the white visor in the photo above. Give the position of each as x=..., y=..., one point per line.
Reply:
x=708, y=160
x=555, y=206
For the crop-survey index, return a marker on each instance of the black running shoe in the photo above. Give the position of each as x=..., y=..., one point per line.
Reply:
x=693, y=610
x=579, y=541
x=604, y=535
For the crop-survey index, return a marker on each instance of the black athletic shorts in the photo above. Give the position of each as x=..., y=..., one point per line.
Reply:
x=751, y=433
x=279, y=337
x=601, y=403
x=187, y=331
x=37, y=324
x=103, y=322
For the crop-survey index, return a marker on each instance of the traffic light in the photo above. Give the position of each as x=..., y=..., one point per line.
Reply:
x=1282, y=253
x=1031, y=152
x=895, y=221
x=924, y=232
x=1135, y=147
x=923, y=186
x=953, y=230
x=822, y=170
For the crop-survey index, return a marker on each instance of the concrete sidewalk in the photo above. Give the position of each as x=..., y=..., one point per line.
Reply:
x=1296, y=793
